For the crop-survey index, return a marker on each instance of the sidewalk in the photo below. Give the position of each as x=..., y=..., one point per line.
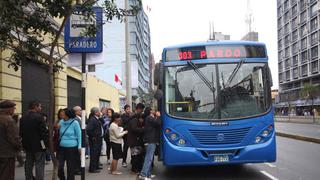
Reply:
x=19, y=174
x=306, y=132
x=298, y=119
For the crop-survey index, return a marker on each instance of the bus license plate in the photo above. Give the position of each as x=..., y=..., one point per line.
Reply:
x=221, y=158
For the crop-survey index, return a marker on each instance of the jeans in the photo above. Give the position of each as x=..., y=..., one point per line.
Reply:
x=70, y=155
x=146, y=169
x=38, y=159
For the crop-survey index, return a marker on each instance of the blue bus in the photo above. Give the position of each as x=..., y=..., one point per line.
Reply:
x=215, y=101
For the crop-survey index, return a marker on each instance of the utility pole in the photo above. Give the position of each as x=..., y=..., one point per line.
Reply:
x=128, y=61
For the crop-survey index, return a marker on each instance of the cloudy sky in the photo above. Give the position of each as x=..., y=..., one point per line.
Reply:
x=180, y=21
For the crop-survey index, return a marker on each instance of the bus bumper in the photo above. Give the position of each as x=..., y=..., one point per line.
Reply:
x=191, y=156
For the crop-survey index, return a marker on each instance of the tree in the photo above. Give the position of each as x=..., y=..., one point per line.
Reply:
x=146, y=98
x=310, y=92
x=28, y=27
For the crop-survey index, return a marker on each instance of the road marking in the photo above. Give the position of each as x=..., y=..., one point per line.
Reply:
x=270, y=165
x=269, y=175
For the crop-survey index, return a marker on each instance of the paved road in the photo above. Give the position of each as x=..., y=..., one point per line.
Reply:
x=297, y=160
x=308, y=130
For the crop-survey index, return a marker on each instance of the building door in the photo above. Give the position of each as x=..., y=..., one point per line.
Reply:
x=35, y=85
x=74, y=92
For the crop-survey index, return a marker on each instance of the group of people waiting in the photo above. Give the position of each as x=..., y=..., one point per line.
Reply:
x=138, y=131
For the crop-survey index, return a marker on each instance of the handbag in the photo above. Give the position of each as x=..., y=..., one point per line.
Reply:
x=59, y=140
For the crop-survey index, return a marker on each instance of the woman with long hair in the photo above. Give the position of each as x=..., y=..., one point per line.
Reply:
x=69, y=144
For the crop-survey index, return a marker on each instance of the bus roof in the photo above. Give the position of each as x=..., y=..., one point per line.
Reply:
x=206, y=43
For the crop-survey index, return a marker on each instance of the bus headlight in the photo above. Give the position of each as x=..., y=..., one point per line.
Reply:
x=175, y=138
x=181, y=142
x=264, y=135
x=258, y=139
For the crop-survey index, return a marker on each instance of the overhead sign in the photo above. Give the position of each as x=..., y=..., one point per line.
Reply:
x=75, y=40
x=219, y=51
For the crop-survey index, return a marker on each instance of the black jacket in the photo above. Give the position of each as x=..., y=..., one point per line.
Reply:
x=135, y=133
x=94, y=128
x=152, y=130
x=125, y=118
x=33, y=129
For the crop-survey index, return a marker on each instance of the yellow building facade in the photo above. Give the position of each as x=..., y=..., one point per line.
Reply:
x=96, y=91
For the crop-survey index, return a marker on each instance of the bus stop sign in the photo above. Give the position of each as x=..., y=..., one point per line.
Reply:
x=75, y=40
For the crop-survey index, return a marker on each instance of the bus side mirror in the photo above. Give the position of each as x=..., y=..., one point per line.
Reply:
x=158, y=75
x=158, y=94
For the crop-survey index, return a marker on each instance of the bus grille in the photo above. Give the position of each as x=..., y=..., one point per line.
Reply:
x=216, y=137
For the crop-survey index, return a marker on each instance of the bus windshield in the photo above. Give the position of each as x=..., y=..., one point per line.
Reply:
x=216, y=91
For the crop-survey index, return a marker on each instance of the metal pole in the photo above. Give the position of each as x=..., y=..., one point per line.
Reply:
x=83, y=116
x=128, y=62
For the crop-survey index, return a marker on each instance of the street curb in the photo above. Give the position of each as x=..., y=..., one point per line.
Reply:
x=297, y=137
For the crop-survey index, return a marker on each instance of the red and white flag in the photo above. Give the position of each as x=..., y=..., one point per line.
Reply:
x=117, y=79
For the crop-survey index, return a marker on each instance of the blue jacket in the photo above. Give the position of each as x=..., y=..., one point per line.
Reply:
x=72, y=137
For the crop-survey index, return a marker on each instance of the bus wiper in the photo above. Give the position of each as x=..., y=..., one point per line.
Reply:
x=201, y=75
x=234, y=72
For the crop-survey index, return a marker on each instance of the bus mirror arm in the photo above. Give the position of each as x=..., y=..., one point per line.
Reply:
x=158, y=94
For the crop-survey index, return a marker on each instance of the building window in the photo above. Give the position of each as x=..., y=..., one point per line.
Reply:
x=288, y=75
x=280, y=44
x=304, y=56
x=304, y=70
x=287, y=52
x=280, y=67
x=304, y=43
x=281, y=77
x=314, y=24
x=303, y=4
x=104, y=103
x=286, y=5
x=295, y=60
x=286, y=28
x=314, y=67
x=295, y=48
x=279, y=22
x=314, y=52
x=280, y=32
x=304, y=30
x=314, y=38
x=287, y=64
x=294, y=10
x=286, y=17
x=294, y=23
x=280, y=55
x=295, y=73
x=303, y=16
x=314, y=9
x=287, y=40
x=295, y=35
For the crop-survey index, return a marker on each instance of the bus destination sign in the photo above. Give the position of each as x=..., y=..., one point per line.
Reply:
x=211, y=52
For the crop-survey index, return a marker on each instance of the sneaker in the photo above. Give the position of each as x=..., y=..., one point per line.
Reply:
x=143, y=178
x=116, y=173
x=124, y=164
x=87, y=157
x=152, y=176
